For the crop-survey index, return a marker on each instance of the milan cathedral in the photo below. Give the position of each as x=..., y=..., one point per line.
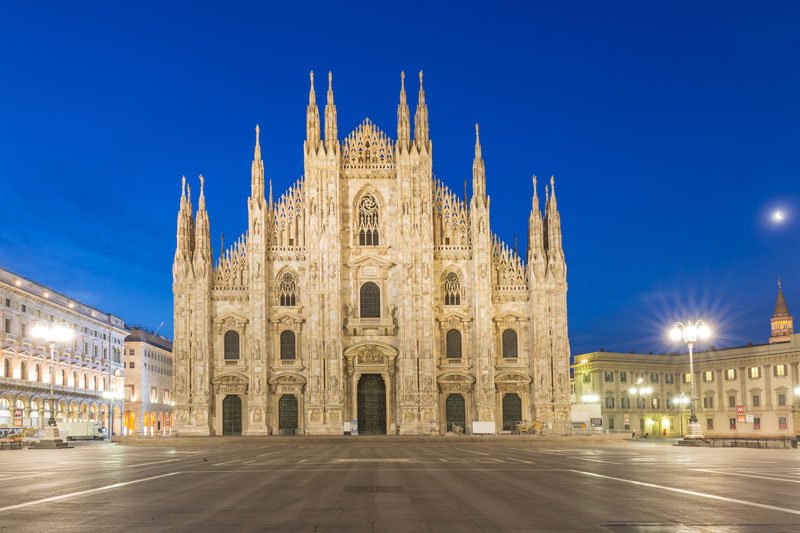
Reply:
x=369, y=298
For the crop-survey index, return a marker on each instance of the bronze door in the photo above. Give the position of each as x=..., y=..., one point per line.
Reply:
x=287, y=414
x=371, y=405
x=512, y=411
x=232, y=415
x=455, y=414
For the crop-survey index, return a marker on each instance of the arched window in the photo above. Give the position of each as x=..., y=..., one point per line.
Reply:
x=368, y=222
x=94, y=382
x=231, y=345
x=509, y=343
x=288, y=345
x=287, y=289
x=453, y=344
x=37, y=372
x=7, y=368
x=370, y=300
x=452, y=289
x=23, y=370
x=63, y=378
x=74, y=379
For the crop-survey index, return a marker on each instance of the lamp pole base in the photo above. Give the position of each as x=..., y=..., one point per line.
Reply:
x=693, y=431
x=51, y=439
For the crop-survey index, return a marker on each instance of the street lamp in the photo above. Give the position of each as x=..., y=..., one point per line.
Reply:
x=690, y=332
x=640, y=390
x=680, y=401
x=53, y=334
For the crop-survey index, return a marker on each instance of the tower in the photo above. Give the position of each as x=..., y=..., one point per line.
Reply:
x=413, y=275
x=481, y=282
x=257, y=240
x=182, y=283
x=324, y=408
x=556, y=345
x=781, y=323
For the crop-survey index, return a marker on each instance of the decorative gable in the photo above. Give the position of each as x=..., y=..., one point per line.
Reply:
x=367, y=148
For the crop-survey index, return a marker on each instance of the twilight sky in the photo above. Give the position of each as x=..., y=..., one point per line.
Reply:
x=672, y=131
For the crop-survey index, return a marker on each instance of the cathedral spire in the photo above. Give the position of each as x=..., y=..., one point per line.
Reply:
x=185, y=224
x=478, y=170
x=270, y=193
x=202, y=236
x=403, y=117
x=781, y=323
x=331, y=128
x=535, y=229
x=312, y=118
x=421, y=131
x=257, y=170
x=553, y=222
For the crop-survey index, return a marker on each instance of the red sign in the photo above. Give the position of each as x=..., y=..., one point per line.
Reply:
x=740, y=409
x=17, y=413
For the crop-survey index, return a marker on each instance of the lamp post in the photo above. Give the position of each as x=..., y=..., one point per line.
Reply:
x=680, y=401
x=690, y=332
x=53, y=334
x=641, y=391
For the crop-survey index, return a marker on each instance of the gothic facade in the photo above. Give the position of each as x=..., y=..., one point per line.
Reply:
x=369, y=293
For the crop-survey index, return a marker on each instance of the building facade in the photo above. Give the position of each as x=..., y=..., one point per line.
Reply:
x=368, y=296
x=747, y=391
x=84, y=369
x=148, y=384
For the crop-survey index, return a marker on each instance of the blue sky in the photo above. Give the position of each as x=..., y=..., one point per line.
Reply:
x=672, y=131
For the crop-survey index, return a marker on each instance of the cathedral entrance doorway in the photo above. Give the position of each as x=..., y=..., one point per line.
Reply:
x=455, y=413
x=371, y=405
x=512, y=411
x=232, y=415
x=287, y=414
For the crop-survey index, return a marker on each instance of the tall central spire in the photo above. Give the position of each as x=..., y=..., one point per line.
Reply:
x=478, y=170
x=403, y=118
x=257, y=170
x=331, y=128
x=421, y=132
x=312, y=118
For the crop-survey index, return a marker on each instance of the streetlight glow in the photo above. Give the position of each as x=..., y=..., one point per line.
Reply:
x=590, y=397
x=675, y=334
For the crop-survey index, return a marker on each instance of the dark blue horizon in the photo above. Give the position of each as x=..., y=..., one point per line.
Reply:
x=672, y=132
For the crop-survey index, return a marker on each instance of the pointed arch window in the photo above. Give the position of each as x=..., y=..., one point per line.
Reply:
x=370, y=300
x=287, y=290
x=368, y=218
x=453, y=344
x=510, y=343
x=231, y=345
x=452, y=289
x=288, y=345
